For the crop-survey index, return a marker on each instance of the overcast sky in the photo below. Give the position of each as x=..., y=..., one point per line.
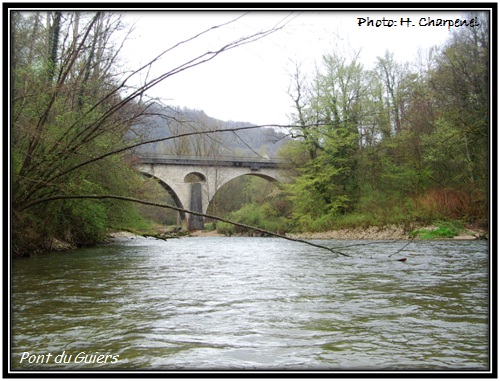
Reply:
x=250, y=83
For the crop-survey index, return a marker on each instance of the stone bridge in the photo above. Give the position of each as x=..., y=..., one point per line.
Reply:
x=193, y=181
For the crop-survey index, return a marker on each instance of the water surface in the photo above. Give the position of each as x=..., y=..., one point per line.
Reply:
x=212, y=303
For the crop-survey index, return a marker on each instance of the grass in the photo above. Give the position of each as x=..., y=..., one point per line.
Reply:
x=445, y=229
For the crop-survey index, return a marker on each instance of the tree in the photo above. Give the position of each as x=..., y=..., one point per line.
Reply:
x=335, y=104
x=304, y=116
x=460, y=81
x=391, y=75
x=72, y=108
x=396, y=138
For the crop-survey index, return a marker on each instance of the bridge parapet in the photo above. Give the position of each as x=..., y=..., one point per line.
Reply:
x=223, y=161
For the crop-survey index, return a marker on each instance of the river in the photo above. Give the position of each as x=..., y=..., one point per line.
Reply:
x=214, y=303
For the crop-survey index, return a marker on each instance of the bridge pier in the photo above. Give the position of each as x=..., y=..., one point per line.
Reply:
x=195, y=222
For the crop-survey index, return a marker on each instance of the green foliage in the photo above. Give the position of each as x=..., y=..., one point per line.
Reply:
x=263, y=216
x=225, y=228
x=126, y=216
x=392, y=146
x=444, y=229
x=433, y=234
x=87, y=221
x=321, y=189
x=211, y=226
x=67, y=119
x=306, y=223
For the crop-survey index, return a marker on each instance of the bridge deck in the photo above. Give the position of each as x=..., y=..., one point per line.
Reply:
x=225, y=161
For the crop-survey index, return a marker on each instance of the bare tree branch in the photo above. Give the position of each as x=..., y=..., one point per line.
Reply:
x=198, y=60
x=135, y=145
x=86, y=132
x=130, y=199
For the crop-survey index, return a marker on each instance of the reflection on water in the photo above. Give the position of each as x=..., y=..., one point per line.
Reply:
x=252, y=303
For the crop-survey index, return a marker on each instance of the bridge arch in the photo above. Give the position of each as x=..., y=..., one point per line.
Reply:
x=195, y=177
x=229, y=177
x=194, y=181
x=262, y=176
x=171, y=192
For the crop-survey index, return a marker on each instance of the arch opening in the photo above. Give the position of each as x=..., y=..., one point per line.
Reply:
x=195, y=177
x=171, y=192
x=241, y=190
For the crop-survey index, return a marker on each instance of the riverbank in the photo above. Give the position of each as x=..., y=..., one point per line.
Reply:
x=370, y=233
x=380, y=233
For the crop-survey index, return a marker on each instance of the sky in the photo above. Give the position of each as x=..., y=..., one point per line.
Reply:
x=250, y=83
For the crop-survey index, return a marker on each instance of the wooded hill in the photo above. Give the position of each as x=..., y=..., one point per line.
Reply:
x=167, y=121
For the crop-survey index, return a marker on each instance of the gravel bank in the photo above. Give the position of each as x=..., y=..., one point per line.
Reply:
x=373, y=232
x=356, y=233
x=377, y=233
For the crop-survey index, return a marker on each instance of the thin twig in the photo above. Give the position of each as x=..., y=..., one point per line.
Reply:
x=400, y=250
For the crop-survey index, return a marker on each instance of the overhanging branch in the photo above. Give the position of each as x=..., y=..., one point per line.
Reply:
x=130, y=199
x=135, y=145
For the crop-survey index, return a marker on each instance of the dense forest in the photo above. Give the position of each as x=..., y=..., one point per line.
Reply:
x=399, y=143
x=404, y=144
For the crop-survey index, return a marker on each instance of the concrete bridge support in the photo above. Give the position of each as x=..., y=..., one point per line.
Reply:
x=196, y=222
x=193, y=186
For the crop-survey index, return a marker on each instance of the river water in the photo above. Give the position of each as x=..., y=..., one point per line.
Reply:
x=213, y=303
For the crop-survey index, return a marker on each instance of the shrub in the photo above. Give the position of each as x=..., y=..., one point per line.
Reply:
x=225, y=228
x=261, y=216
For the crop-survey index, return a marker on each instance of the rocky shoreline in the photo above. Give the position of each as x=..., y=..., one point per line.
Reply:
x=370, y=233
x=377, y=233
x=391, y=233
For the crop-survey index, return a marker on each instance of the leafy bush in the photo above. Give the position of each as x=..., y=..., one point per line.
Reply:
x=225, y=228
x=262, y=216
x=126, y=216
x=88, y=221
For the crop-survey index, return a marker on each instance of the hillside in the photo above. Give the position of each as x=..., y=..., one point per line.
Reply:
x=164, y=121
